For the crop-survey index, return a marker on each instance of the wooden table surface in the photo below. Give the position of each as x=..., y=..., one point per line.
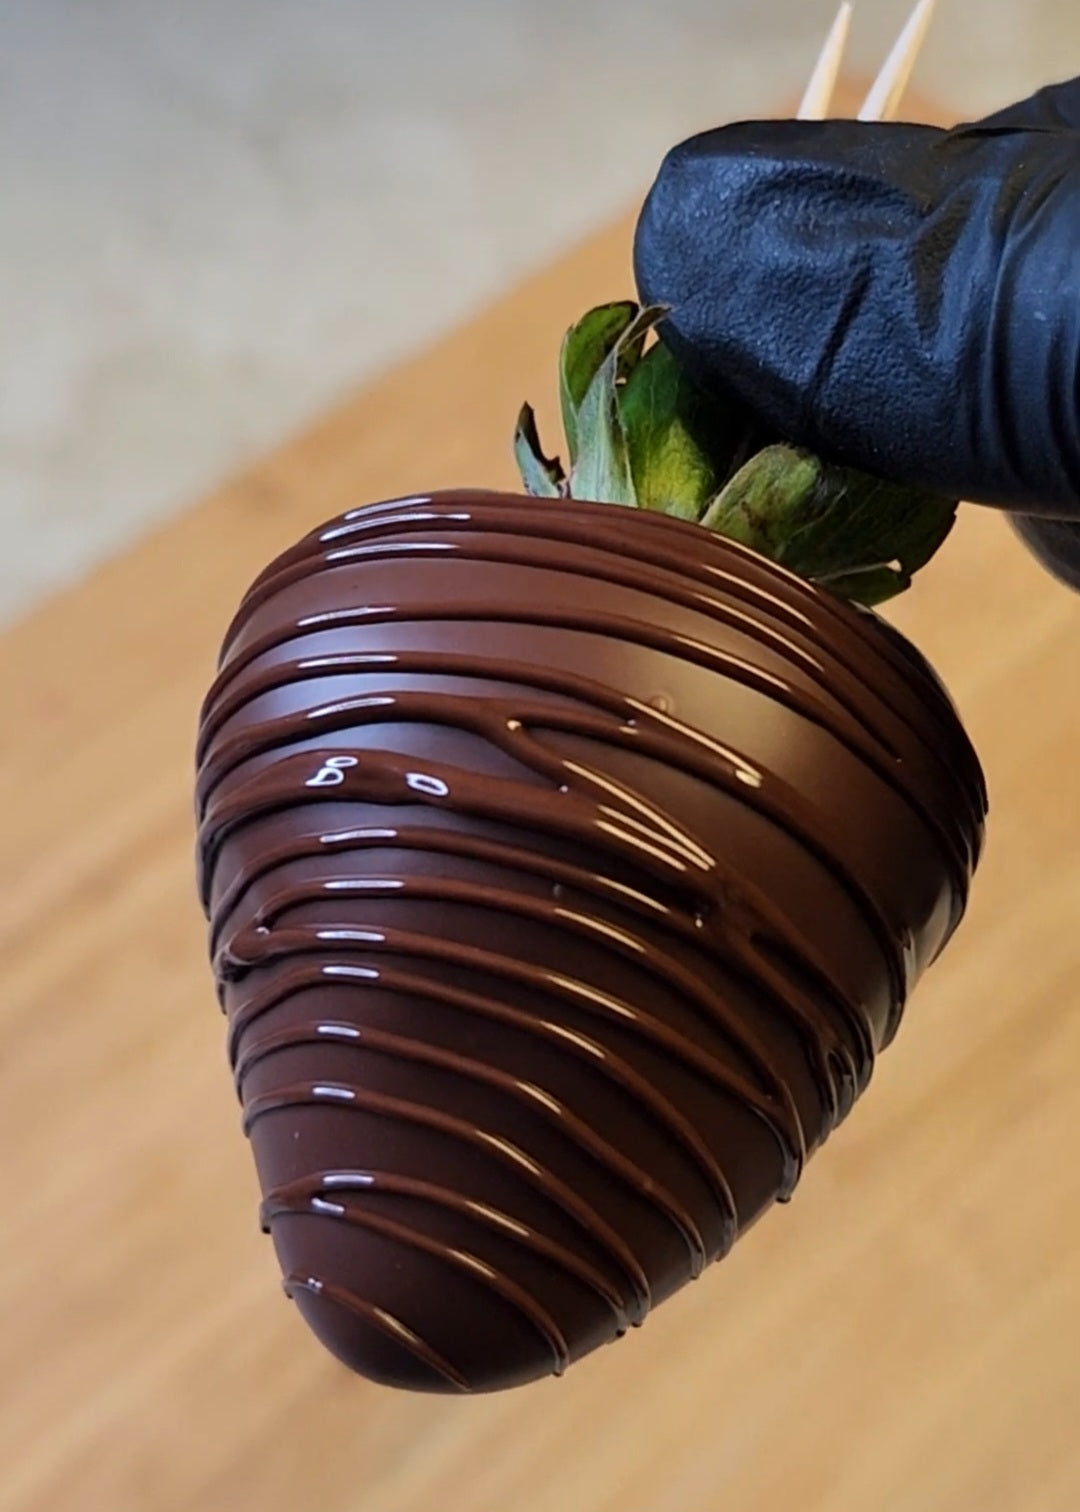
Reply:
x=904, y=1338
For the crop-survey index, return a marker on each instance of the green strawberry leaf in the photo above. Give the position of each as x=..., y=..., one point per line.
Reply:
x=543, y=476
x=602, y=470
x=585, y=347
x=770, y=498
x=863, y=523
x=869, y=585
x=860, y=536
x=664, y=415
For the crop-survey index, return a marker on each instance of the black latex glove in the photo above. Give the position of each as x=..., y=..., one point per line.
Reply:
x=899, y=298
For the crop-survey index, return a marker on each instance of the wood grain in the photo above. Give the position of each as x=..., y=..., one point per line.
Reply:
x=904, y=1336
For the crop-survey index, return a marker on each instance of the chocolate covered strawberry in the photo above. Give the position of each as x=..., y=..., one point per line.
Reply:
x=568, y=866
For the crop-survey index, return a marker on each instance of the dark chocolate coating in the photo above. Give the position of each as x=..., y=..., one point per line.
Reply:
x=567, y=867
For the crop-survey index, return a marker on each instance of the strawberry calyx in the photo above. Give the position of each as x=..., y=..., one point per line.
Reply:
x=640, y=432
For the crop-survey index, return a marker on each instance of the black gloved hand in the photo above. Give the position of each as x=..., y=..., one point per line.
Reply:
x=899, y=298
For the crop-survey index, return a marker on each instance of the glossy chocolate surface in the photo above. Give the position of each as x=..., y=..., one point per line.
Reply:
x=567, y=868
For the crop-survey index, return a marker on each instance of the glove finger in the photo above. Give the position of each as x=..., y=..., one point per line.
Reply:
x=1055, y=108
x=900, y=299
x=1055, y=545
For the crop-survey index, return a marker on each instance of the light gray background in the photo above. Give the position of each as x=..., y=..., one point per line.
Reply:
x=218, y=215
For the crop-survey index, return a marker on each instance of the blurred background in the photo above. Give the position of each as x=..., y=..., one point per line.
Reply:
x=217, y=217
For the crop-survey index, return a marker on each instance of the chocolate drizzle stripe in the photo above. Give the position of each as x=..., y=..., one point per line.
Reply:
x=718, y=564
x=538, y=1100
x=790, y=1140
x=777, y=1113
x=379, y=1318
x=508, y=727
x=851, y=733
x=825, y=669
x=478, y=1270
x=391, y=780
x=600, y=1058
x=580, y=618
x=708, y=920
x=358, y=1099
x=221, y=704
x=813, y=1024
x=297, y=1197
x=656, y=542
x=582, y=527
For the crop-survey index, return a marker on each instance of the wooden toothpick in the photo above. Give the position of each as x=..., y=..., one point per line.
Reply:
x=887, y=93
x=885, y=98
x=817, y=101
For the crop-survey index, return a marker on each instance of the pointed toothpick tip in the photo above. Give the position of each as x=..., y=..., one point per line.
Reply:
x=887, y=94
x=818, y=98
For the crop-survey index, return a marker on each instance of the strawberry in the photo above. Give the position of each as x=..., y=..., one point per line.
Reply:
x=569, y=865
